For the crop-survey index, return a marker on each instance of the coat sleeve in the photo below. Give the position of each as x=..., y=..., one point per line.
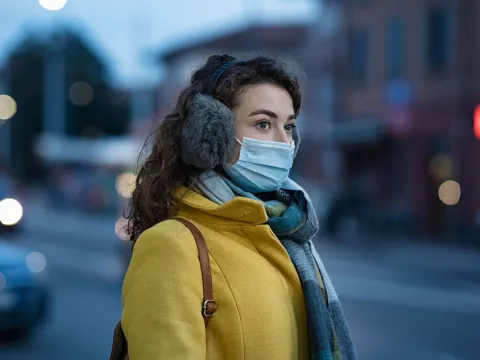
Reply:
x=162, y=296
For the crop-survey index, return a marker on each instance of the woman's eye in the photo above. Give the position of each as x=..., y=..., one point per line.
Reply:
x=290, y=127
x=264, y=125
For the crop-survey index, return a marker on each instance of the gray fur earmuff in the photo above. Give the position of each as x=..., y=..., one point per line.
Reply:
x=208, y=137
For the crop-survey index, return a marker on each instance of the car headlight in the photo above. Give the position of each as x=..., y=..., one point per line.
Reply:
x=11, y=212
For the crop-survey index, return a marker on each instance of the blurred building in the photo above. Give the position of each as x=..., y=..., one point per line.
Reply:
x=273, y=40
x=143, y=109
x=390, y=97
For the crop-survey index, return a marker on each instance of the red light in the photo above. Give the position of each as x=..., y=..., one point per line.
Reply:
x=476, y=122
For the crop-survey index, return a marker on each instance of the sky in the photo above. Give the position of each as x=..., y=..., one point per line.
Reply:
x=126, y=31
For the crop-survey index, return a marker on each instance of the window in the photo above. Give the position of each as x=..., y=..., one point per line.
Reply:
x=359, y=48
x=438, y=40
x=395, y=48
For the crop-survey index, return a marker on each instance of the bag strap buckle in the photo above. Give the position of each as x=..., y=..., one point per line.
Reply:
x=209, y=308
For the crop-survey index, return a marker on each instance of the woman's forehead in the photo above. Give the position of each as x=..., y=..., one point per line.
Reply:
x=266, y=96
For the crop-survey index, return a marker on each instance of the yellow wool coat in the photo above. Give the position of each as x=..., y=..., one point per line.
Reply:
x=261, y=310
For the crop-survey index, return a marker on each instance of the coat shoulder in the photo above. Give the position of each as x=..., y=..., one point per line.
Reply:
x=165, y=234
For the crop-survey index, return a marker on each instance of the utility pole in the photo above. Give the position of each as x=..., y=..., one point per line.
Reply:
x=54, y=91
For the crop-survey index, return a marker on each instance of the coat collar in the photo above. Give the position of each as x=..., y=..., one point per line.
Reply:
x=239, y=209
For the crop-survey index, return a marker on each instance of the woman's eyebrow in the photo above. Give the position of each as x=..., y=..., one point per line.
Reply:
x=269, y=113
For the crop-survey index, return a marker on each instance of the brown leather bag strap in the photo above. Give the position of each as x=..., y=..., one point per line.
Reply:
x=209, y=306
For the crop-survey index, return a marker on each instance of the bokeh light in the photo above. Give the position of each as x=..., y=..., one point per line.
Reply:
x=11, y=212
x=81, y=93
x=36, y=262
x=449, y=192
x=120, y=227
x=476, y=122
x=125, y=184
x=8, y=107
x=53, y=5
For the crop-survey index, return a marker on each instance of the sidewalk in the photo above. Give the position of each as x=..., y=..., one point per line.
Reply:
x=74, y=242
x=93, y=230
x=409, y=253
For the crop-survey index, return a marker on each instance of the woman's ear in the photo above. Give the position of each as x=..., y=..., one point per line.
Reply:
x=208, y=135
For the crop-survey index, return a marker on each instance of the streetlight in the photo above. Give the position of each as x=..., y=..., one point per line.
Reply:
x=52, y=5
x=8, y=107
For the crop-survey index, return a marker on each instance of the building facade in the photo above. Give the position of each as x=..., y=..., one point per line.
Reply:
x=282, y=41
x=395, y=85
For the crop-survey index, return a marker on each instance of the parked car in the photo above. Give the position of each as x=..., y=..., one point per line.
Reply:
x=24, y=291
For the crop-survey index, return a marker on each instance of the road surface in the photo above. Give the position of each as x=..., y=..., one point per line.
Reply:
x=394, y=312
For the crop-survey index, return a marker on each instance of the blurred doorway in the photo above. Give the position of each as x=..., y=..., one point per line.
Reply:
x=437, y=170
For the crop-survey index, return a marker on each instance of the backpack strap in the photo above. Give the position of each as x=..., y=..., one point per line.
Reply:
x=209, y=306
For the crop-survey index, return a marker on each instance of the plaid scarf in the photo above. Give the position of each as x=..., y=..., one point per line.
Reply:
x=292, y=218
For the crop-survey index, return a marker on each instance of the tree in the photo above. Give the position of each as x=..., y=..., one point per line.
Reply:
x=90, y=101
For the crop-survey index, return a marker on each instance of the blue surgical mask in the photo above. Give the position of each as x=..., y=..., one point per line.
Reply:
x=263, y=166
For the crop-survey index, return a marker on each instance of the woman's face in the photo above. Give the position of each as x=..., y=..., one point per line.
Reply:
x=264, y=112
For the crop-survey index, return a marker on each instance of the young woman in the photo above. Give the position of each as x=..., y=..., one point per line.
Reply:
x=221, y=160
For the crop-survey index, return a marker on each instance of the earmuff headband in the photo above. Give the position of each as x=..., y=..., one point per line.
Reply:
x=218, y=73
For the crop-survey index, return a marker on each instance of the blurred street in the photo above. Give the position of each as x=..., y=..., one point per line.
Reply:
x=86, y=280
x=81, y=324
x=398, y=306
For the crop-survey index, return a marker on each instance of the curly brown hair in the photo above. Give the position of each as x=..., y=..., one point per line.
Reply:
x=163, y=171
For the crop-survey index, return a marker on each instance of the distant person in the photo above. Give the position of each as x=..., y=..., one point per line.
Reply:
x=221, y=159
